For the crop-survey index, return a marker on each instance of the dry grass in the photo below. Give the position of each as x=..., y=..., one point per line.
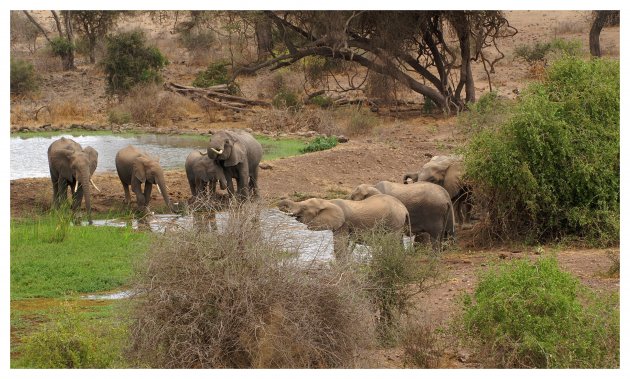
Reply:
x=150, y=105
x=287, y=121
x=423, y=347
x=233, y=299
x=569, y=27
x=69, y=110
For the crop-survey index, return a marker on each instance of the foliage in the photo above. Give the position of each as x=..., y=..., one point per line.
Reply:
x=92, y=26
x=286, y=99
x=525, y=314
x=215, y=74
x=541, y=50
x=50, y=257
x=235, y=300
x=61, y=47
x=129, y=62
x=423, y=346
x=74, y=341
x=320, y=143
x=393, y=277
x=489, y=112
x=23, y=77
x=322, y=101
x=552, y=170
x=118, y=116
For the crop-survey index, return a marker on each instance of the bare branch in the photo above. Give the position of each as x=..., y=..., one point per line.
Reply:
x=41, y=29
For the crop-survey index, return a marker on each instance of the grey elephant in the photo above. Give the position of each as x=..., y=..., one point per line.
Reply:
x=348, y=218
x=447, y=171
x=135, y=168
x=203, y=174
x=239, y=154
x=429, y=205
x=72, y=166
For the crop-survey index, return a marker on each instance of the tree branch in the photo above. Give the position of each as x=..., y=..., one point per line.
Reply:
x=41, y=29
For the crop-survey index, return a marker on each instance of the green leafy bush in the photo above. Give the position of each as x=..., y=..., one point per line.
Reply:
x=322, y=101
x=489, y=111
x=128, y=62
x=286, y=99
x=525, y=314
x=320, y=143
x=552, y=170
x=541, y=50
x=215, y=74
x=61, y=46
x=23, y=77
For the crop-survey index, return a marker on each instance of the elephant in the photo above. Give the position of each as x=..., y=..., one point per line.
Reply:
x=239, y=154
x=135, y=167
x=429, y=206
x=72, y=166
x=348, y=218
x=203, y=172
x=447, y=171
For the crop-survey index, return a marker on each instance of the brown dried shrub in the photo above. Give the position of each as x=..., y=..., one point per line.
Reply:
x=284, y=120
x=234, y=299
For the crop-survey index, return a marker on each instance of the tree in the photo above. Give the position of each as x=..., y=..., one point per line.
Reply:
x=600, y=19
x=94, y=25
x=408, y=46
x=63, y=45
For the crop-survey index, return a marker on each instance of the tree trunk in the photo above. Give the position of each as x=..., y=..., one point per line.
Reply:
x=264, y=38
x=593, y=37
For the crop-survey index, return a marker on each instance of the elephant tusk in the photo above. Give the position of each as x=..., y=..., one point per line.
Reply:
x=203, y=152
x=76, y=185
x=92, y=182
x=218, y=152
x=158, y=188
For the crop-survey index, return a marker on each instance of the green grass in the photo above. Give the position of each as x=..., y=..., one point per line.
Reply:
x=320, y=143
x=274, y=148
x=52, y=258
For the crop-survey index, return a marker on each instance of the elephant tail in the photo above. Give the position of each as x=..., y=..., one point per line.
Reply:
x=407, y=229
x=449, y=222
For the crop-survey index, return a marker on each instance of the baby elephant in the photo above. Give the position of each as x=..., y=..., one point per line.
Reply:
x=203, y=173
x=429, y=205
x=349, y=218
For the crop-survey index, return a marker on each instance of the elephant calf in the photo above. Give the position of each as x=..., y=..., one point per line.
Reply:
x=349, y=218
x=135, y=167
x=203, y=173
x=447, y=171
x=429, y=206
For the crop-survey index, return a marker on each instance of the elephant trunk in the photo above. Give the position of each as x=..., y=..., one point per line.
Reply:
x=84, y=179
x=162, y=187
x=410, y=175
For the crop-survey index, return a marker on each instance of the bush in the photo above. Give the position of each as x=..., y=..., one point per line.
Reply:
x=552, y=170
x=128, y=62
x=234, y=299
x=215, y=74
x=488, y=112
x=322, y=101
x=320, y=143
x=118, y=116
x=286, y=99
x=539, y=51
x=74, y=342
x=525, y=314
x=361, y=123
x=61, y=47
x=23, y=77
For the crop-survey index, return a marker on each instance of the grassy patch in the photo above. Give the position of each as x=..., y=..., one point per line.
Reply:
x=279, y=148
x=51, y=258
x=320, y=143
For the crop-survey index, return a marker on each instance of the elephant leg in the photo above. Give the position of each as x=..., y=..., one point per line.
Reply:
x=62, y=191
x=140, y=199
x=457, y=209
x=341, y=248
x=242, y=184
x=230, y=183
x=253, y=182
x=127, y=194
x=193, y=187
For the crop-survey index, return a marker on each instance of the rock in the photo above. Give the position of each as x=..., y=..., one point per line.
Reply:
x=342, y=139
x=265, y=166
x=249, y=130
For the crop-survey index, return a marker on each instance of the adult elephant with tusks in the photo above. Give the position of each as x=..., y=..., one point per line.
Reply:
x=135, y=168
x=72, y=166
x=239, y=154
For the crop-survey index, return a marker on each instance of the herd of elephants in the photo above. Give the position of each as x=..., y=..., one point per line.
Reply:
x=429, y=201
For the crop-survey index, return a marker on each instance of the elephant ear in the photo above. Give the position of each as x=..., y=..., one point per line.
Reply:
x=139, y=171
x=238, y=153
x=452, y=179
x=329, y=216
x=92, y=157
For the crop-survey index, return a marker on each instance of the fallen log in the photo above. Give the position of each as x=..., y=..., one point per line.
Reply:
x=212, y=95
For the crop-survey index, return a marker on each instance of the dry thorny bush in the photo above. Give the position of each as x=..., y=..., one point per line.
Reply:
x=287, y=121
x=233, y=299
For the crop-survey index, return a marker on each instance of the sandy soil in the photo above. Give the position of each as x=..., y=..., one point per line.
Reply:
x=397, y=146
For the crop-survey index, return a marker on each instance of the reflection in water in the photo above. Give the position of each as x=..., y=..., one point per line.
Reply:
x=29, y=156
x=278, y=228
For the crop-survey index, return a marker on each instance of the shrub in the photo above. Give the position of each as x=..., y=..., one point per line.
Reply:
x=286, y=99
x=552, y=170
x=74, y=342
x=539, y=51
x=23, y=77
x=488, y=112
x=234, y=299
x=525, y=314
x=118, y=116
x=61, y=47
x=422, y=345
x=322, y=101
x=128, y=62
x=320, y=143
x=361, y=122
x=215, y=74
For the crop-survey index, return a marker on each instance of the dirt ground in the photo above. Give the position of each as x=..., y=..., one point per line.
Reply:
x=395, y=147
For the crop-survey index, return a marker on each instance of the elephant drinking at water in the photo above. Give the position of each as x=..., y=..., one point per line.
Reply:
x=135, y=167
x=239, y=154
x=203, y=173
x=72, y=166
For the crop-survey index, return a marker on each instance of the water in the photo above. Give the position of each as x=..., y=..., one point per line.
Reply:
x=29, y=156
x=278, y=228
